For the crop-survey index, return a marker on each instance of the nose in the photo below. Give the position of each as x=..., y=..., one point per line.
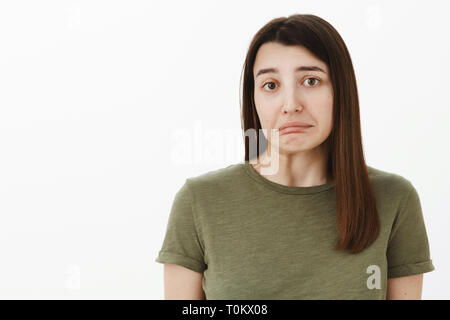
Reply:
x=292, y=104
x=287, y=110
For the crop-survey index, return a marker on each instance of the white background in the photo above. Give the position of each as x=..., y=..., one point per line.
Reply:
x=95, y=94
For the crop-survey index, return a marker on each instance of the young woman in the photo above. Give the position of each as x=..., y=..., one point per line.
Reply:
x=305, y=217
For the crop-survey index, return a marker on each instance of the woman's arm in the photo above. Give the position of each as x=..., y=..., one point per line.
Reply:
x=405, y=288
x=181, y=283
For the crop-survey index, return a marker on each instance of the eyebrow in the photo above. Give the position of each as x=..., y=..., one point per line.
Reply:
x=301, y=68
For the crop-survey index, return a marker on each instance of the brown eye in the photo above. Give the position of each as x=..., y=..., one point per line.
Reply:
x=272, y=87
x=311, y=83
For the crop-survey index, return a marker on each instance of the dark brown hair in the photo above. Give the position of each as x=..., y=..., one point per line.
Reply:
x=356, y=213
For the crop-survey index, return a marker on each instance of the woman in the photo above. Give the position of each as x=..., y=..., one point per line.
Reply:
x=304, y=217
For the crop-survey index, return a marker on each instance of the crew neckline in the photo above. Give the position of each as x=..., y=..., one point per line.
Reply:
x=281, y=187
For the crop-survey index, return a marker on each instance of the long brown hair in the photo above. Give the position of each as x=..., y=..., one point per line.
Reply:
x=356, y=216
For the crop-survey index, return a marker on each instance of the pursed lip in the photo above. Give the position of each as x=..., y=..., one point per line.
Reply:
x=294, y=124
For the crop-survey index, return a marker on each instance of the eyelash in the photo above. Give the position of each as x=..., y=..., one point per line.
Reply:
x=318, y=81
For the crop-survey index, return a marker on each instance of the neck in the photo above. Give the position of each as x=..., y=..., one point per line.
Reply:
x=304, y=168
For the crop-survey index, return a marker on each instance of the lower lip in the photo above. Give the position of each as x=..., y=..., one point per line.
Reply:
x=293, y=130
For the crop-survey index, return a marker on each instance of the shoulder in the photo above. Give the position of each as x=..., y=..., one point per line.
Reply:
x=390, y=185
x=213, y=176
x=387, y=178
x=214, y=181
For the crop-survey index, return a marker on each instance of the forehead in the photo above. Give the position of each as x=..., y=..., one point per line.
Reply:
x=282, y=57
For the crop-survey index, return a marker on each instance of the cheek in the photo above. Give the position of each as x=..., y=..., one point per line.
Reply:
x=265, y=116
x=323, y=110
x=322, y=98
x=266, y=113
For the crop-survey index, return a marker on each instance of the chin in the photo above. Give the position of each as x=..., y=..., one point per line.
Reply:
x=291, y=148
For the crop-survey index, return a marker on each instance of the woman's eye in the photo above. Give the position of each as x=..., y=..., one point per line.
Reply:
x=273, y=83
x=308, y=81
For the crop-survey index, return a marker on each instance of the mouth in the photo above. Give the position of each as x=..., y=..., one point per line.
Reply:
x=294, y=129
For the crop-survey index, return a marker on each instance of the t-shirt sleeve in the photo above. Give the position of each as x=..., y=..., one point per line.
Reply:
x=182, y=244
x=408, y=251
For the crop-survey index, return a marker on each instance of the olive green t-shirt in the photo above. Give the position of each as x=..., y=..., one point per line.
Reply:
x=252, y=238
